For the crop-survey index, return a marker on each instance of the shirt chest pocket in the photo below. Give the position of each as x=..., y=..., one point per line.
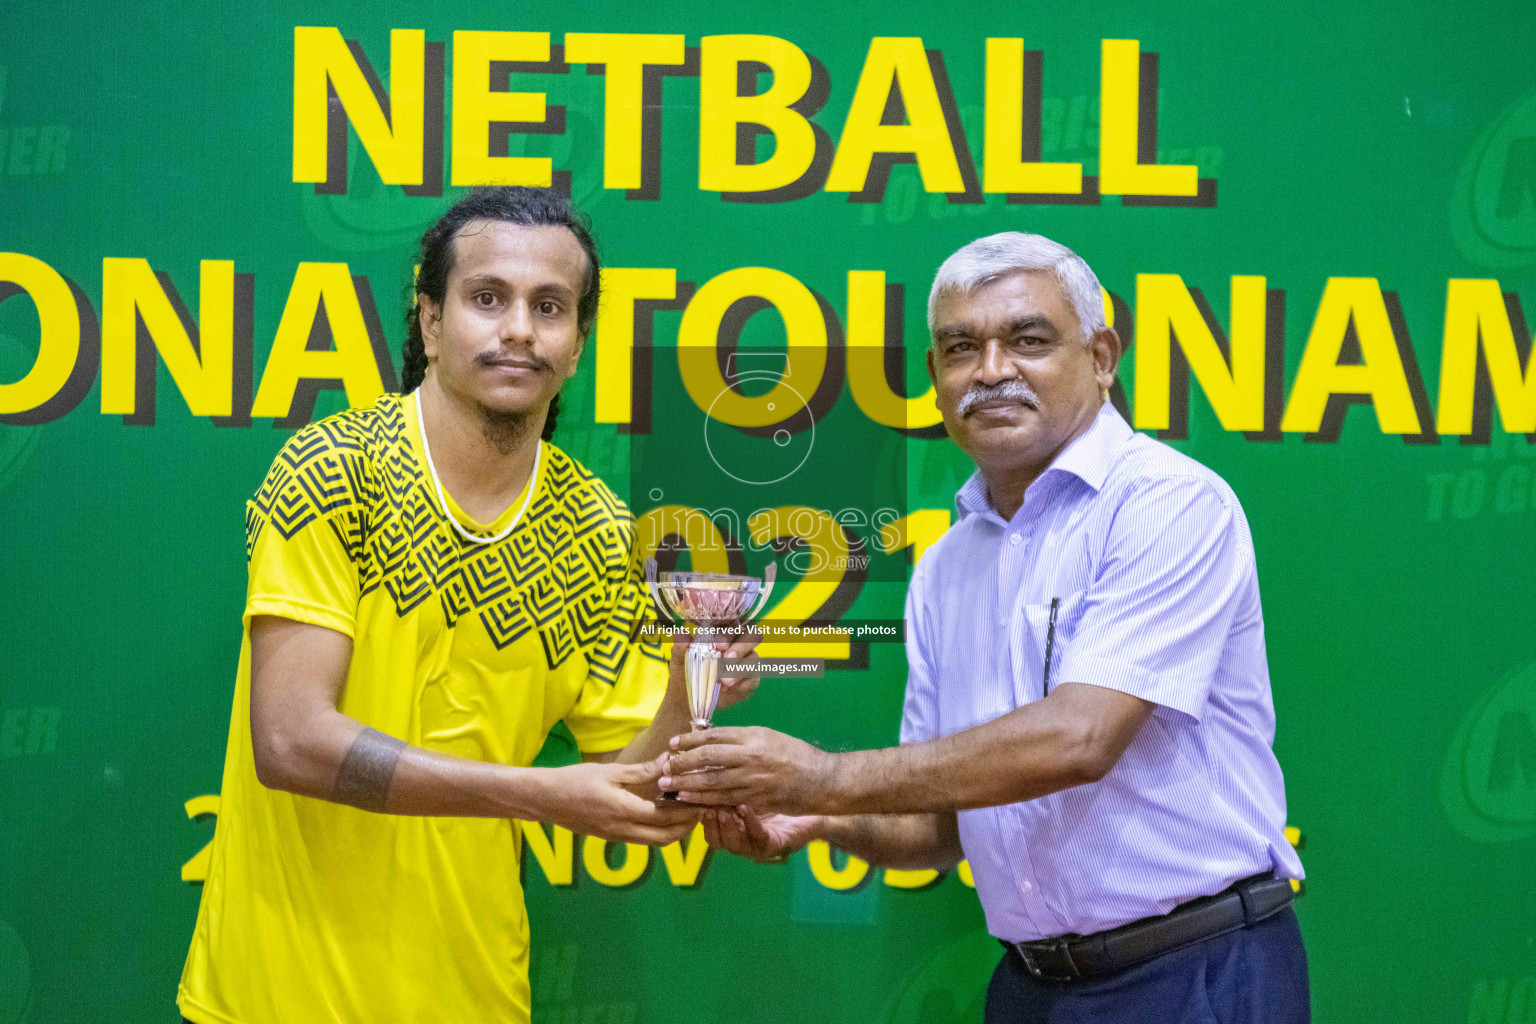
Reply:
x=1047, y=630
x=971, y=669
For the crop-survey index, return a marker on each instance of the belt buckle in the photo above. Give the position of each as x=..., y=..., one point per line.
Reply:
x=1034, y=967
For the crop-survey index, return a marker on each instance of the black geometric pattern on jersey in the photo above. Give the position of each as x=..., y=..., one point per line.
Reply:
x=567, y=572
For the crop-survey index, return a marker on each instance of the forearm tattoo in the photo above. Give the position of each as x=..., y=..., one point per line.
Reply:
x=366, y=772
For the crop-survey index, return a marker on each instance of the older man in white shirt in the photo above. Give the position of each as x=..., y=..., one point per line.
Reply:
x=1088, y=716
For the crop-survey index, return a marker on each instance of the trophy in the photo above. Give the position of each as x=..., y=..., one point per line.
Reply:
x=706, y=602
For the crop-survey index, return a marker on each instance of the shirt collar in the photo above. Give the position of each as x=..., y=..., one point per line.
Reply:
x=1088, y=458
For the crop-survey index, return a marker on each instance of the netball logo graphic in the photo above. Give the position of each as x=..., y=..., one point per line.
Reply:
x=1494, y=208
x=1488, y=783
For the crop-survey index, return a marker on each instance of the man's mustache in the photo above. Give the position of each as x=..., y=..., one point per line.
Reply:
x=1008, y=390
x=529, y=359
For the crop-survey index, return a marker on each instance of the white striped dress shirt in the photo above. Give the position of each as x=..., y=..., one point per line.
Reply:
x=1151, y=558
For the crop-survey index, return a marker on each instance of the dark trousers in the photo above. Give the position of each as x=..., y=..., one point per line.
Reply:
x=1254, y=975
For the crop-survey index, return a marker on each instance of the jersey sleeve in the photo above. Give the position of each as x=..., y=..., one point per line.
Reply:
x=303, y=533
x=1157, y=618
x=626, y=676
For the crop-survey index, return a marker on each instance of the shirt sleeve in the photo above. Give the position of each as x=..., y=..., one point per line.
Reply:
x=920, y=710
x=626, y=677
x=303, y=535
x=1157, y=617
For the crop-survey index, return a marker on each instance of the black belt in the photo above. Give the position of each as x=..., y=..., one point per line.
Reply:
x=1070, y=957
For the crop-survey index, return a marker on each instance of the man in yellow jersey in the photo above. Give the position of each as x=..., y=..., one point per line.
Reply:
x=432, y=587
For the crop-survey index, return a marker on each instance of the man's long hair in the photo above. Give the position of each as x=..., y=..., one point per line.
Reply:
x=528, y=207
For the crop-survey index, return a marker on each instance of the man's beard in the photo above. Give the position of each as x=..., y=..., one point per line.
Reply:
x=504, y=430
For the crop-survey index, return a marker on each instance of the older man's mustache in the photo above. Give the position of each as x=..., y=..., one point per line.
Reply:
x=1008, y=390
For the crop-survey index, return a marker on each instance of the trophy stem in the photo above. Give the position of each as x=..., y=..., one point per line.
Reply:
x=702, y=673
x=703, y=678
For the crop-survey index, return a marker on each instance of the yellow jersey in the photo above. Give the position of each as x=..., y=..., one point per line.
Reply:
x=316, y=911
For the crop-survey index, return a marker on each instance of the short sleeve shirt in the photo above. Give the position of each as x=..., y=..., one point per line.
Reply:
x=1131, y=567
x=314, y=910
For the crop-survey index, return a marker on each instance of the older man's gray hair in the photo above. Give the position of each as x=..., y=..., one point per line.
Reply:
x=988, y=258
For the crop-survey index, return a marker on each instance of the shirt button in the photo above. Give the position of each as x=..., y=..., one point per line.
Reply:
x=1028, y=886
x=1014, y=538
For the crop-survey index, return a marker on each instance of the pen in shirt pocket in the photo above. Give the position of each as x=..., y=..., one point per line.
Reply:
x=1050, y=643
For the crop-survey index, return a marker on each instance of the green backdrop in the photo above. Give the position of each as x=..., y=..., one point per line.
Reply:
x=1346, y=142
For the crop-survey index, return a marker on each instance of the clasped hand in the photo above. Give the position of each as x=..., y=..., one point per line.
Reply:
x=764, y=769
x=604, y=800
